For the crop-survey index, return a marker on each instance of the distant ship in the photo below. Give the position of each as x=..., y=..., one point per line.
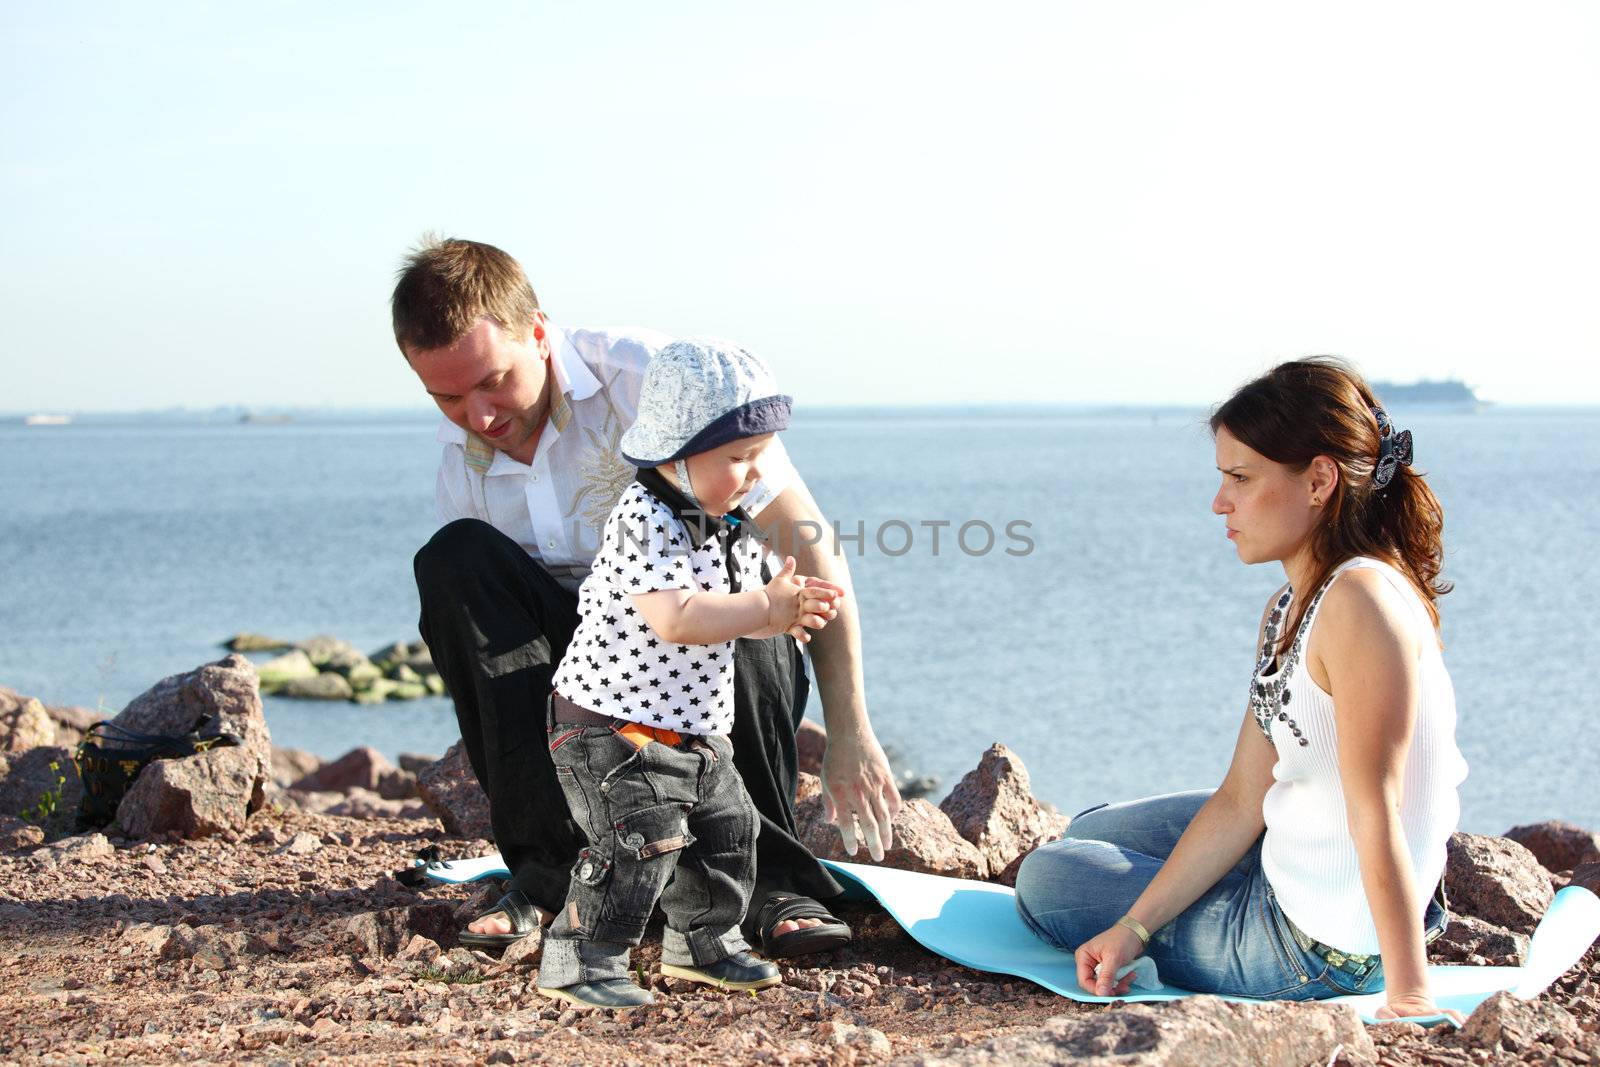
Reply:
x=252, y=419
x=1449, y=394
x=46, y=420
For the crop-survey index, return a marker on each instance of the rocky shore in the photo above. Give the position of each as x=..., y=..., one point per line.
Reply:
x=242, y=907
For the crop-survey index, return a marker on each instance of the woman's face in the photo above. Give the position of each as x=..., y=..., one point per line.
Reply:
x=1267, y=505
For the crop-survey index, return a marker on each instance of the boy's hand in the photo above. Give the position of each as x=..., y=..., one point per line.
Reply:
x=796, y=605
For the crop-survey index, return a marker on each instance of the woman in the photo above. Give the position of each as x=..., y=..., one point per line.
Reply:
x=1310, y=872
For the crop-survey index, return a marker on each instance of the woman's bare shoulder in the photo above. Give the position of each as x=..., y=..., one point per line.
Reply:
x=1362, y=605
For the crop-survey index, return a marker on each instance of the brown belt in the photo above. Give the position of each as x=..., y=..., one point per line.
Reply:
x=567, y=713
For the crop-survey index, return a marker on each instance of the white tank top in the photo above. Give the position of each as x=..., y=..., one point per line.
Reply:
x=1308, y=854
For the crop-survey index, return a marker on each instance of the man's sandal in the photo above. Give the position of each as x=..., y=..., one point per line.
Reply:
x=516, y=907
x=784, y=907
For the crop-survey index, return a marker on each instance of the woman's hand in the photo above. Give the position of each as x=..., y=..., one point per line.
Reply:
x=1416, y=1006
x=1111, y=951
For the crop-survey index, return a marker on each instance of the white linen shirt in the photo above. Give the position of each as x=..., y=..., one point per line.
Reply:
x=616, y=664
x=555, y=506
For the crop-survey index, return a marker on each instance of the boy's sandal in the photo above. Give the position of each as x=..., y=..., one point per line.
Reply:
x=522, y=913
x=784, y=907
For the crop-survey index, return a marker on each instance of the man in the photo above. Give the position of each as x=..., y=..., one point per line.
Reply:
x=530, y=469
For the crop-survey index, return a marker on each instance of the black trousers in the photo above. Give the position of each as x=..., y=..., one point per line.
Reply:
x=497, y=625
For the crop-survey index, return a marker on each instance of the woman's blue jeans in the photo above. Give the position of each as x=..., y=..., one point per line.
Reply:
x=1233, y=940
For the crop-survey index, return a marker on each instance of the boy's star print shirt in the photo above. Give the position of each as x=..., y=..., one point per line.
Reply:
x=616, y=664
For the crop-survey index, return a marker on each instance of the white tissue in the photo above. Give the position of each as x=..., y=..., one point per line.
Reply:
x=1143, y=970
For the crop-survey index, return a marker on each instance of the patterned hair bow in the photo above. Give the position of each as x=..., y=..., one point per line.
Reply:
x=1394, y=449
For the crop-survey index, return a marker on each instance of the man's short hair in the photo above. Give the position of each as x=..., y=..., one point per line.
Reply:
x=446, y=285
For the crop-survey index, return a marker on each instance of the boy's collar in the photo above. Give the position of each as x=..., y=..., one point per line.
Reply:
x=687, y=511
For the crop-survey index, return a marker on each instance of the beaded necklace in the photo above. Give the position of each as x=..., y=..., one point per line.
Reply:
x=1268, y=698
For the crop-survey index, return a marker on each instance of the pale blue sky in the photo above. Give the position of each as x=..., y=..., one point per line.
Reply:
x=1064, y=202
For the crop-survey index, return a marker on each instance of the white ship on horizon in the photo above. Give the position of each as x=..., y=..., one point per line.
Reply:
x=46, y=420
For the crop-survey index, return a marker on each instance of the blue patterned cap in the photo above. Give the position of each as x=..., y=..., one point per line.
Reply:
x=698, y=394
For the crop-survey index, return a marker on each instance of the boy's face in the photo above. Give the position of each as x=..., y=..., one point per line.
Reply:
x=725, y=474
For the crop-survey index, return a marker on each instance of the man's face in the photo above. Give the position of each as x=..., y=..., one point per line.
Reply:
x=491, y=384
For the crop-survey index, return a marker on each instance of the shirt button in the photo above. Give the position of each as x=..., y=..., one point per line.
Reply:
x=533, y=477
x=549, y=544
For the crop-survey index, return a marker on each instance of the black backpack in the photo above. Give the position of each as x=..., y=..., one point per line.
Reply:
x=110, y=757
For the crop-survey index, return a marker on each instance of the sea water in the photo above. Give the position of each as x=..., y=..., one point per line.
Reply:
x=1103, y=631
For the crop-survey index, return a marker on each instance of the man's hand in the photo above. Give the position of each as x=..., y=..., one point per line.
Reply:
x=1109, y=951
x=858, y=789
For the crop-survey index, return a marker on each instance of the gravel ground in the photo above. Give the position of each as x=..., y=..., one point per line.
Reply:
x=292, y=943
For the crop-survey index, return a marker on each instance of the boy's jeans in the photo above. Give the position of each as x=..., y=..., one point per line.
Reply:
x=1234, y=939
x=664, y=821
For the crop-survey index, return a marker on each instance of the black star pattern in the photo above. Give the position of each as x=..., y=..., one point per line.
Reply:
x=616, y=660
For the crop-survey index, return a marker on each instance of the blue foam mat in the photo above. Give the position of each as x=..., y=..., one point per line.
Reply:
x=976, y=925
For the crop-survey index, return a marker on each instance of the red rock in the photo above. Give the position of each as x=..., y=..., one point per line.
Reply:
x=397, y=785
x=382, y=933
x=84, y=848
x=421, y=949
x=807, y=785
x=527, y=951
x=993, y=807
x=289, y=765
x=72, y=722
x=451, y=791
x=301, y=844
x=215, y=949
x=1183, y=1033
x=1467, y=936
x=359, y=768
x=810, y=743
x=214, y=791
x=1008, y=876
x=42, y=786
x=1508, y=1024
x=152, y=938
x=209, y=793
x=1588, y=876
x=1496, y=880
x=1558, y=846
x=365, y=804
x=24, y=723
x=16, y=834
x=924, y=840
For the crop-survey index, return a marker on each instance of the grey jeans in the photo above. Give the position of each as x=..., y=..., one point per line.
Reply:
x=663, y=822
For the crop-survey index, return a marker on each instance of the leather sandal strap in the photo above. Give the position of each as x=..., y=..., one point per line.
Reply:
x=781, y=907
x=523, y=913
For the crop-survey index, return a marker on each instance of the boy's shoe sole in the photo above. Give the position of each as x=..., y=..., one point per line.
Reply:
x=574, y=995
x=692, y=975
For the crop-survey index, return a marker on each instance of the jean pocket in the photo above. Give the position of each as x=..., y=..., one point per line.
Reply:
x=644, y=854
x=577, y=799
x=561, y=737
x=1300, y=970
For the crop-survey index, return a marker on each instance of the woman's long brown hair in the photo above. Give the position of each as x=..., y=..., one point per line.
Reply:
x=1314, y=407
